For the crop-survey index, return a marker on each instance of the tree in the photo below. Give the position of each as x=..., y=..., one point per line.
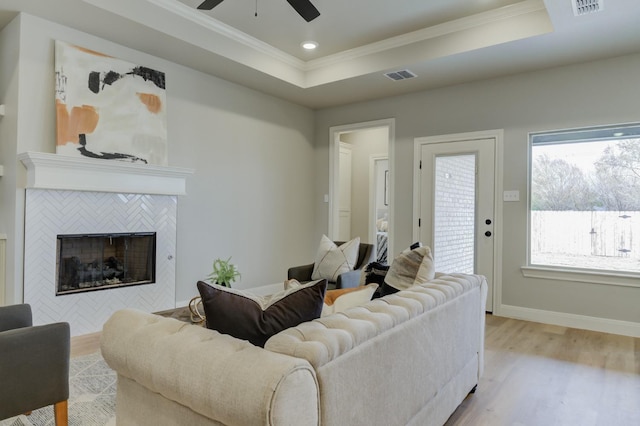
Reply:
x=558, y=185
x=617, y=174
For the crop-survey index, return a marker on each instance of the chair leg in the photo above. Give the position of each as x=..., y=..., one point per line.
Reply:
x=61, y=413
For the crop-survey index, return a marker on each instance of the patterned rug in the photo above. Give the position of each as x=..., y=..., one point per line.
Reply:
x=92, y=396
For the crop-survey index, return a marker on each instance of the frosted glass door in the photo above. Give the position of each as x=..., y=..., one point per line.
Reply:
x=455, y=213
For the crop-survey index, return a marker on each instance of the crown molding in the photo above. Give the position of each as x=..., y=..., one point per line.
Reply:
x=192, y=26
x=507, y=12
x=462, y=24
x=450, y=27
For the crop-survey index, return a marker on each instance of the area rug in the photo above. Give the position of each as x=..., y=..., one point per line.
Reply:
x=92, y=396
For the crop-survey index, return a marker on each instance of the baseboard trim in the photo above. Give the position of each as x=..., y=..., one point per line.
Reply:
x=605, y=325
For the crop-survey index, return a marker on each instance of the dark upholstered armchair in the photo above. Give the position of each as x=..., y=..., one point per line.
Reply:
x=366, y=255
x=34, y=364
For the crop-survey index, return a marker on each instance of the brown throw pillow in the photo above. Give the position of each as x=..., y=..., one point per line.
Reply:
x=256, y=318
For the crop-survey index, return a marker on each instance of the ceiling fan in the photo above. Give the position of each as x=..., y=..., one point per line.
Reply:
x=304, y=7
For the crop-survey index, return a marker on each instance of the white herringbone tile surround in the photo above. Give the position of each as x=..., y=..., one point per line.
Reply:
x=49, y=213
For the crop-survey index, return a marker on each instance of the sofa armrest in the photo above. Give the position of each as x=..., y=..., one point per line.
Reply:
x=218, y=376
x=349, y=279
x=15, y=316
x=34, y=367
x=300, y=273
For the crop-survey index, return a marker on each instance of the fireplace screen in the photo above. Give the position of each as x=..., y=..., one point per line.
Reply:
x=99, y=261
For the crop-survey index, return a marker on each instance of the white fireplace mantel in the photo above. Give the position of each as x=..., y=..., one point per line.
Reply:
x=53, y=171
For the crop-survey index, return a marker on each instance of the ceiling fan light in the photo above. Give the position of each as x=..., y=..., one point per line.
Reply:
x=309, y=45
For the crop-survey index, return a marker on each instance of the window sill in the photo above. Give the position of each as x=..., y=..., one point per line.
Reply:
x=623, y=279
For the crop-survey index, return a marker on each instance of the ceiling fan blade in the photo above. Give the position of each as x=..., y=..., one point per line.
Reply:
x=304, y=7
x=209, y=4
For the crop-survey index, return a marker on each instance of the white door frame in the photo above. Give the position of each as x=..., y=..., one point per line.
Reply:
x=334, y=159
x=372, y=193
x=498, y=135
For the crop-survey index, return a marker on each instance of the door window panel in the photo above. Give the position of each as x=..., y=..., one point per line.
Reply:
x=455, y=213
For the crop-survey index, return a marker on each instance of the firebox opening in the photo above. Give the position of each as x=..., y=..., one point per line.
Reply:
x=87, y=262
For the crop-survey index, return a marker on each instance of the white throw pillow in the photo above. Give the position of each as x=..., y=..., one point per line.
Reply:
x=350, y=298
x=342, y=299
x=332, y=260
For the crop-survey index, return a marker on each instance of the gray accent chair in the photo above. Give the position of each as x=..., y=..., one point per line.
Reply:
x=34, y=364
x=366, y=255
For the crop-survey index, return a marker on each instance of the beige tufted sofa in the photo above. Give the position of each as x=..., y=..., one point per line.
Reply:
x=408, y=358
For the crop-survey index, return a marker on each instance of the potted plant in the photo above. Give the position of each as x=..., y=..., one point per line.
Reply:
x=224, y=272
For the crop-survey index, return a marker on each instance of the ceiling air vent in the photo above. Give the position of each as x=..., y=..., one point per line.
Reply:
x=400, y=75
x=583, y=7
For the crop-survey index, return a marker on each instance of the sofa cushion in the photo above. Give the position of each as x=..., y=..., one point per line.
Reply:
x=411, y=267
x=256, y=318
x=332, y=260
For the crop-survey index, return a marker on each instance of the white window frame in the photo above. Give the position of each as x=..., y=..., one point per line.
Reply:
x=582, y=275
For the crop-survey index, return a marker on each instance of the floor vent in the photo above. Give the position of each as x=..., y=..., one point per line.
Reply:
x=584, y=7
x=400, y=75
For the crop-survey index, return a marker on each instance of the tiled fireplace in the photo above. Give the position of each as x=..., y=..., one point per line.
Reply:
x=108, y=220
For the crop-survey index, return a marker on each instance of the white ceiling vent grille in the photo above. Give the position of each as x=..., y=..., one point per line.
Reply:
x=583, y=7
x=400, y=75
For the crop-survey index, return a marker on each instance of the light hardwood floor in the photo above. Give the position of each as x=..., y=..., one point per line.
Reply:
x=539, y=375
x=85, y=344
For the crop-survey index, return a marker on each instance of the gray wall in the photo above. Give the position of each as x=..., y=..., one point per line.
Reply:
x=10, y=224
x=251, y=195
x=601, y=92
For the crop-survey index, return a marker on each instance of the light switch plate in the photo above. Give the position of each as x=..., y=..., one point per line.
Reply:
x=511, y=196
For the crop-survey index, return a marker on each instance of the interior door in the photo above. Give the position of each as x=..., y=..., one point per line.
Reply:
x=457, y=206
x=344, y=215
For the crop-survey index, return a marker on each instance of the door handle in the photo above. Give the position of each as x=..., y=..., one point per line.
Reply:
x=488, y=233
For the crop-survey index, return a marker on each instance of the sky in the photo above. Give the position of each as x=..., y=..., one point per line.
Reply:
x=581, y=154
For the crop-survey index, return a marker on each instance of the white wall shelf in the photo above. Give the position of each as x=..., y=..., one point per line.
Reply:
x=53, y=171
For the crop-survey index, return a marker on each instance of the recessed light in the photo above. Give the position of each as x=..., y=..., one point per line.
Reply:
x=309, y=45
x=618, y=134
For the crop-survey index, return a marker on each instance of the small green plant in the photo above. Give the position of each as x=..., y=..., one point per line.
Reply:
x=224, y=272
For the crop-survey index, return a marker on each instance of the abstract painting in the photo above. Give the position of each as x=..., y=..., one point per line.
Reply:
x=108, y=108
